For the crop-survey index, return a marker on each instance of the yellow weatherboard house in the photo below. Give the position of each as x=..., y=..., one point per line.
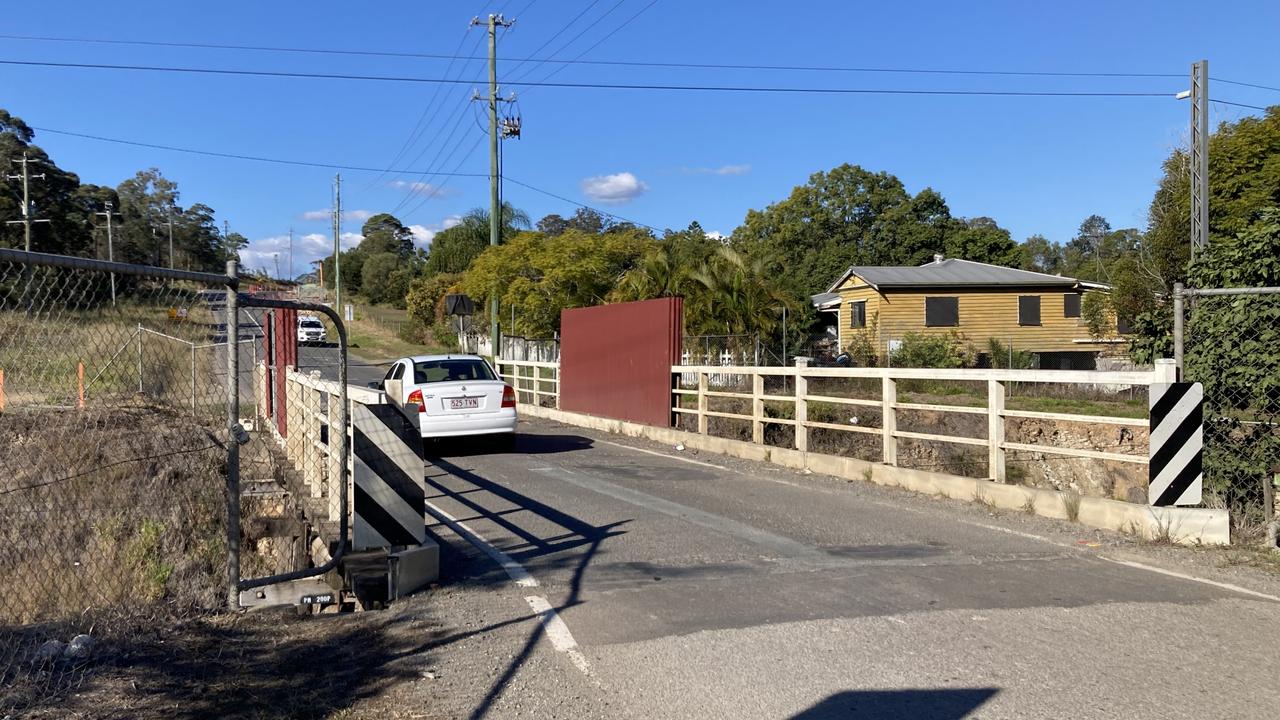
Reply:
x=1028, y=311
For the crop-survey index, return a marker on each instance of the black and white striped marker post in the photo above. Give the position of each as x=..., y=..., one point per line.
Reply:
x=1176, y=444
x=388, y=488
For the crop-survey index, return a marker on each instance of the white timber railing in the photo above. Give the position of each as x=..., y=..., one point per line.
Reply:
x=310, y=405
x=535, y=383
x=797, y=380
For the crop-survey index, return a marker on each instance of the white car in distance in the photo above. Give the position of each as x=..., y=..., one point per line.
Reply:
x=310, y=329
x=452, y=396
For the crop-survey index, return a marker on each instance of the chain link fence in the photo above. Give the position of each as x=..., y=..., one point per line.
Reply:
x=113, y=463
x=1229, y=341
x=116, y=397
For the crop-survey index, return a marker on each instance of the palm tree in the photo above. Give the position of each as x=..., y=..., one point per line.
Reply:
x=736, y=296
x=657, y=275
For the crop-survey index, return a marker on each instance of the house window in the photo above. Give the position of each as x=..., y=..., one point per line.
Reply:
x=1071, y=305
x=858, y=314
x=1122, y=326
x=1028, y=309
x=941, y=311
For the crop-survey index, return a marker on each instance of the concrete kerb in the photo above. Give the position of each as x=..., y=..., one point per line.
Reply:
x=1185, y=526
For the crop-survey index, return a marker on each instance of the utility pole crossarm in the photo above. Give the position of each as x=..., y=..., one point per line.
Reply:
x=27, y=209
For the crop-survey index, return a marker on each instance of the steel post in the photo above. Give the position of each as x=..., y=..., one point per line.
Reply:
x=233, y=445
x=1179, y=327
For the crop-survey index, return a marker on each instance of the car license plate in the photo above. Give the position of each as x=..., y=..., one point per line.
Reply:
x=464, y=403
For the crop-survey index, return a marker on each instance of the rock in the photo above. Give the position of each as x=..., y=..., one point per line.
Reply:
x=50, y=651
x=80, y=647
x=680, y=447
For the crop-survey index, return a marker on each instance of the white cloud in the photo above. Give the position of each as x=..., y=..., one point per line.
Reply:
x=262, y=254
x=424, y=234
x=614, y=189
x=722, y=170
x=717, y=235
x=360, y=215
x=430, y=190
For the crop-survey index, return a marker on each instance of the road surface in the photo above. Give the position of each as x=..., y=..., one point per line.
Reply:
x=638, y=585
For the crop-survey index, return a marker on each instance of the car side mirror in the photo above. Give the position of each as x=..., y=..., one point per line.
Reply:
x=375, y=385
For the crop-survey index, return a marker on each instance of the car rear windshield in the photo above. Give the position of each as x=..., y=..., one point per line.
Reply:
x=451, y=370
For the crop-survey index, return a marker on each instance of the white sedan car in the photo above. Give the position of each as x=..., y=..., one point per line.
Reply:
x=452, y=396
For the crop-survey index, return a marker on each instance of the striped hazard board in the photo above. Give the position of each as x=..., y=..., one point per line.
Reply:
x=1176, y=473
x=388, y=506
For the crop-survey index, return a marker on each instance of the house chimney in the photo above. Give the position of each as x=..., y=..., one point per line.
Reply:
x=937, y=257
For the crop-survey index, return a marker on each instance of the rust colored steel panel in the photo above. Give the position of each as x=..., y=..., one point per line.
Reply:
x=285, y=328
x=615, y=360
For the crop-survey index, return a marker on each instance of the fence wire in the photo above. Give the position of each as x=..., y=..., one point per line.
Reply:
x=1232, y=347
x=112, y=464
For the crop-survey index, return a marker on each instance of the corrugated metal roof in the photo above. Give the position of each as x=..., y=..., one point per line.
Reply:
x=952, y=272
x=824, y=300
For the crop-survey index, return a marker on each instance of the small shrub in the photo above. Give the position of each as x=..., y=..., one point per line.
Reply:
x=1004, y=356
x=1029, y=505
x=1071, y=505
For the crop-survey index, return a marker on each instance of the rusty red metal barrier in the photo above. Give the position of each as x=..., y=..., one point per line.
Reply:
x=615, y=360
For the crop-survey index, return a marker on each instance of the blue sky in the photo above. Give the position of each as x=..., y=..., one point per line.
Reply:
x=663, y=158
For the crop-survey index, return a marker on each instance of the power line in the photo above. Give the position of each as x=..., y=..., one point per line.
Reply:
x=594, y=86
x=548, y=193
x=623, y=63
x=436, y=160
x=1243, y=105
x=1246, y=84
x=626, y=63
x=418, y=128
x=600, y=42
x=574, y=39
x=332, y=166
x=561, y=31
x=254, y=158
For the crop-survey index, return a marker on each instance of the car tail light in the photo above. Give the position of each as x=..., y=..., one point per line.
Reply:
x=415, y=398
x=508, y=397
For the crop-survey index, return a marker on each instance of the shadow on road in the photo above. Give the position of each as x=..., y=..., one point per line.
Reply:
x=945, y=704
x=574, y=534
x=524, y=444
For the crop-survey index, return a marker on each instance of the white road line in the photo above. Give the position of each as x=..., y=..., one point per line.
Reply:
x=514, y=570
x=557, y=632
x=669, y=457
x=555, y=628
x=1132, y=563
x=1192, y=578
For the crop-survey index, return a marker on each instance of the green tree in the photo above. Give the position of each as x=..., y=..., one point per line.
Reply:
x=541, y=276
x=1232, y=349
x=378, y=281
x=733, y=294
x=982, y=240
x=384, y=233
x=454, y=249
x=843, y=217
x=1038, y=254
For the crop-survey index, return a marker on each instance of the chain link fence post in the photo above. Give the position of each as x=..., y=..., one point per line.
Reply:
x=233, y=432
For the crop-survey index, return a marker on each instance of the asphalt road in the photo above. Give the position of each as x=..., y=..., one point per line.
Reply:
x=324, y=357
x=740, y=590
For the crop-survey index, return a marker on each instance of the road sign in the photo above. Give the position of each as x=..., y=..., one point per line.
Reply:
x=1176, y=444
